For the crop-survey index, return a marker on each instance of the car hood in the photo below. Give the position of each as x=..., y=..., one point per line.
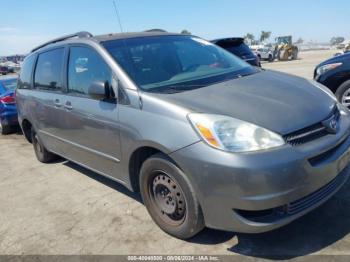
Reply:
x=273, y=100
x=335, y=59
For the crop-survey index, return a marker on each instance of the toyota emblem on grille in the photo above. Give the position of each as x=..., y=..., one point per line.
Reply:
x=331, y=125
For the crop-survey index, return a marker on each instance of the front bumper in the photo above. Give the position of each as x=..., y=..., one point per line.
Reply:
x=260, y=191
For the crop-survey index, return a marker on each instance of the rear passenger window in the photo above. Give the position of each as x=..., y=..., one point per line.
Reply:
x=48, y=72
x=85, y=66
x=24, y=80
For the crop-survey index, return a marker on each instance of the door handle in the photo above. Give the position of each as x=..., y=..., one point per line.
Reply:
x=68, y=105
x=57, y=103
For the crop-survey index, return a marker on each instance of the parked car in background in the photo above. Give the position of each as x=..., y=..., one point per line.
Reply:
x=265, y=54
x=236, y=46
x=4, y=70
x=12, y=67
x=8, y=110
x=207, y=139
x=335, y=74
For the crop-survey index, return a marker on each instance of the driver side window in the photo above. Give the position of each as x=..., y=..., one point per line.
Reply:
x=85, y=66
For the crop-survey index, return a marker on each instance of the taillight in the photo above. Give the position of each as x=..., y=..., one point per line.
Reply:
x=7, y=100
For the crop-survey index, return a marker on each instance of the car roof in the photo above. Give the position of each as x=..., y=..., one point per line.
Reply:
x=86, y=36
x=117, y=36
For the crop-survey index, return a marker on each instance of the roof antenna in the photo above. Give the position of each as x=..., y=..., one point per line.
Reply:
x=118, y=16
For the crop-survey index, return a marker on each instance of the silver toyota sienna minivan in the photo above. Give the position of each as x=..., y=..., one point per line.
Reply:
x=207, y=139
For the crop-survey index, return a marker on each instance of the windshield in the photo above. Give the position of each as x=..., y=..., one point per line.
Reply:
x=9, y=84
x=160, y=63
x=284, y=40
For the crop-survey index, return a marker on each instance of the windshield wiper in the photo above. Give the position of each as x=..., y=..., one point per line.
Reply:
x=178, y=88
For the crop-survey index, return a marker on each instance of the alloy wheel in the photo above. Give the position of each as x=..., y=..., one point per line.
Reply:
x=346, y=98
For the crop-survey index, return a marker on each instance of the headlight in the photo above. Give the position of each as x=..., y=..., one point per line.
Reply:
x=323, y=69
x=234, y=135
x=324, y=89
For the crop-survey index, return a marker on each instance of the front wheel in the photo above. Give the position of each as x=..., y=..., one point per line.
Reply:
x=343, y=94
x=41, y=152
x=170, y=198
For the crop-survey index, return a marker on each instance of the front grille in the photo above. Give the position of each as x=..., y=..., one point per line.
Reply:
x=310, y=200
x=312, y=132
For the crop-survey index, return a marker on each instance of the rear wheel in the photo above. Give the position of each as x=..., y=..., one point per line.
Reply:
x=41, y=152
x=5, y=129
x=295, y=54
x=343, y=94
x=170, y=198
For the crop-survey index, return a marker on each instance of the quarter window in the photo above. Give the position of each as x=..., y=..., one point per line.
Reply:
x=24, y=80
x=85, y=67
x=48, y=72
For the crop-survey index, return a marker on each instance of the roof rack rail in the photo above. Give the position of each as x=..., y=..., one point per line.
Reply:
x=82, y=34
x=155, y=30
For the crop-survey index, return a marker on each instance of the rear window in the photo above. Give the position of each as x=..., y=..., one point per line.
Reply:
x=239, y=49
x=9, y=84
x=24, y=80
x=48, y=72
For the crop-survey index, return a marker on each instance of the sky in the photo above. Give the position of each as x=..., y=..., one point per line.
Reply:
x=25, y=24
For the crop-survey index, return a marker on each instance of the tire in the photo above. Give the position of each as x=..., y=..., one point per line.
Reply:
x=41, y=152
x=283, y=55
x=279, y=55
x=5, y=129
x=295, y=55
x=343, y=89
x=270, y=58
x=170, y=198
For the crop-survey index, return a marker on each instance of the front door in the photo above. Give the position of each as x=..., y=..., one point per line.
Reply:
x=91, y=135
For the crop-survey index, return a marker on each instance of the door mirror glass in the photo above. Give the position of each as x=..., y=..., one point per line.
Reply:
x=97, y=90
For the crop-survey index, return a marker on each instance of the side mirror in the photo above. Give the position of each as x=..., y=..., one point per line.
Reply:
x=97, y=90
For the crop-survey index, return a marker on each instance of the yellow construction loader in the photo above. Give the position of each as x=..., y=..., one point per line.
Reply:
x=284, y=49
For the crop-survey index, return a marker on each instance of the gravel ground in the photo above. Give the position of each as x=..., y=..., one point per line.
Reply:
x=305, y=64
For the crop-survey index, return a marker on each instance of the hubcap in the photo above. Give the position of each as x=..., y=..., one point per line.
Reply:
x=168, y=199
x=346, y=98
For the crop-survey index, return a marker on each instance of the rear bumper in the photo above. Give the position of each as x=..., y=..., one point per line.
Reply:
x=258, y=192
x=9, y=117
